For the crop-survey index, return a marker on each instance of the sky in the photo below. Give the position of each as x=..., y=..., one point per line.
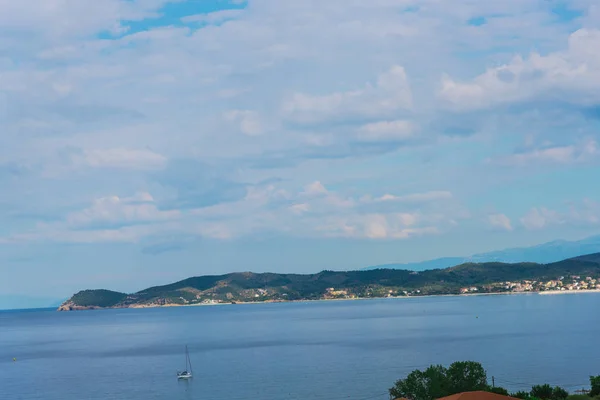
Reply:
x=146, y=141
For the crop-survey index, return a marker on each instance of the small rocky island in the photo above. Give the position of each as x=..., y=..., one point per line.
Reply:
x=580, y=273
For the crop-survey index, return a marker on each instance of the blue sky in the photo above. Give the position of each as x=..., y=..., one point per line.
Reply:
x=144, y=141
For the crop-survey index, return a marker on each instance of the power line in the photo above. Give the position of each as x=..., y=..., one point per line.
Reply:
x=529, y=385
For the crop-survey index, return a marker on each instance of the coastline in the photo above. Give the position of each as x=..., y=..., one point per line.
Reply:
x=552, y=292
x=549, y=292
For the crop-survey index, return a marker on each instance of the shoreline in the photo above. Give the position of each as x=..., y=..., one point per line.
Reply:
x=544, y=293
x=553, y=292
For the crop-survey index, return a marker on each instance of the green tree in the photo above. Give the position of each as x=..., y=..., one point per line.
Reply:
x=595, y=384
x=423, y=385
x=466, y=376
x=497, y=390
x=543, y=392
x=559, y=393
x=520, y=395
x=437, y=381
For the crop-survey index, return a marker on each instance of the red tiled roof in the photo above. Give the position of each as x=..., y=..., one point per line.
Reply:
x=477, y=396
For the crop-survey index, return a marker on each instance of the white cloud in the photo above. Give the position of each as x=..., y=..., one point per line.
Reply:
x=538, y=218
x=130, y=219
x=254, y=201
x=571, y=75
x=500, y=221
x=315, y=188
x=128, y=234
x=300, y=208
x=265, y=194
x=587, y=213
x=577, y=153
x=216, y=17
x=583, y=214
x=121, y=158
x=413, y=197
x=386, y=130
x=57, y=18
x=116, y=210
x=332, y=77
x=318, y=211
x=312, y=211
x=339, y=202
x=388, y=96
x=338, y=216
x=248, y=121
x=377, y=226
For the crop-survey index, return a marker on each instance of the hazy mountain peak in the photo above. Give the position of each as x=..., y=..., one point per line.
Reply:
x=548, y=252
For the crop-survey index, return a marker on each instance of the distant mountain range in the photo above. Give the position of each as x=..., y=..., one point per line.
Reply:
x=492, y=277
x=543, y=253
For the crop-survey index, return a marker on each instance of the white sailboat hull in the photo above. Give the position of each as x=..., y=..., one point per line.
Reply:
x=187, y=372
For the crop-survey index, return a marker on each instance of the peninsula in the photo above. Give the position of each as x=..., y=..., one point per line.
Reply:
x=580, y=273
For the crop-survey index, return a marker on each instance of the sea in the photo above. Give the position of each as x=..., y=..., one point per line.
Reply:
x=334, y=350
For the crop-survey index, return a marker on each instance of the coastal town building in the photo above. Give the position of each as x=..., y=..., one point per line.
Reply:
x=553, y=285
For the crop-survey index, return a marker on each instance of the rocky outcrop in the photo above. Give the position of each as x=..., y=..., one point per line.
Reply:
x=70, y=306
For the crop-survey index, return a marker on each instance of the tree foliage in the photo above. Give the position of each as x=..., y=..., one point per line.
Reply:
x=595, y=384
x=422, y=385
x=98, y=298
x=498, y=390
x=437, y=381
x=559, y=393
x=467, y=376
x=547, y=392
x=543, y=392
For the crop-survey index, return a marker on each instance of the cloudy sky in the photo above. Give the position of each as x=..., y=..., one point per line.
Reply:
x=143, y=141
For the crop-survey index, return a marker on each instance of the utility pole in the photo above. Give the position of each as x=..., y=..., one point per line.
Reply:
x=493, y=382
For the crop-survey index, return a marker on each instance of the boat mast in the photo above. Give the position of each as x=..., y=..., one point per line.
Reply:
x=188, y=359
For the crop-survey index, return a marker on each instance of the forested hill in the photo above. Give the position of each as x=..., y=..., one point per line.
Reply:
x=250, y=287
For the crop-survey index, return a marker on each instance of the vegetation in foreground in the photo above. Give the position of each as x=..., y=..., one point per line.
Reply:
x=438, y=381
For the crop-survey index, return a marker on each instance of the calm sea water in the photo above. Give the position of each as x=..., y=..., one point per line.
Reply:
x=351, y=350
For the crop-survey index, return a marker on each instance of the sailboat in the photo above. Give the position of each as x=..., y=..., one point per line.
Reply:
x=187, y=372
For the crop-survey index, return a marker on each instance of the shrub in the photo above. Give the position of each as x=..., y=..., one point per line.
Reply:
x=498, y=390
x=595, y=384
x=438, y=381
